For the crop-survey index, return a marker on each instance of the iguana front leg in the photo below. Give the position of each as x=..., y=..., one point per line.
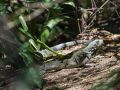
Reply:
x=77, y=59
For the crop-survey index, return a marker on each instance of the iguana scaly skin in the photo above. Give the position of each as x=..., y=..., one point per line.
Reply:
x=77, y=59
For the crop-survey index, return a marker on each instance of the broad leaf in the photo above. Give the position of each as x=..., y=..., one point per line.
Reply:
x=45, y=34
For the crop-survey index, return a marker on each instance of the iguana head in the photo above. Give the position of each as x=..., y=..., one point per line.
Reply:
x=93, y=45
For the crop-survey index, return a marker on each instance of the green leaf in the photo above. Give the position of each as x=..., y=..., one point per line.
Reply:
x=71, y=3
x=24, y=25
x=32, y=42
x=25, y=33
x=27, y=58
x=51, y=23
x=55, y=33
x=49, y=26
x=33, y=77
x=45, y=34
x=47, y=47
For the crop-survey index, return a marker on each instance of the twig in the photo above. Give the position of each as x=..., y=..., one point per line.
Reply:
x=96, y=12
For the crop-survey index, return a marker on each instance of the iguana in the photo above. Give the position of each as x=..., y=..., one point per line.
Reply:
x=75, y=59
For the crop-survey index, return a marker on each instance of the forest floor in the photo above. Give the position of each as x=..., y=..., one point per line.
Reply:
x=107, y=59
